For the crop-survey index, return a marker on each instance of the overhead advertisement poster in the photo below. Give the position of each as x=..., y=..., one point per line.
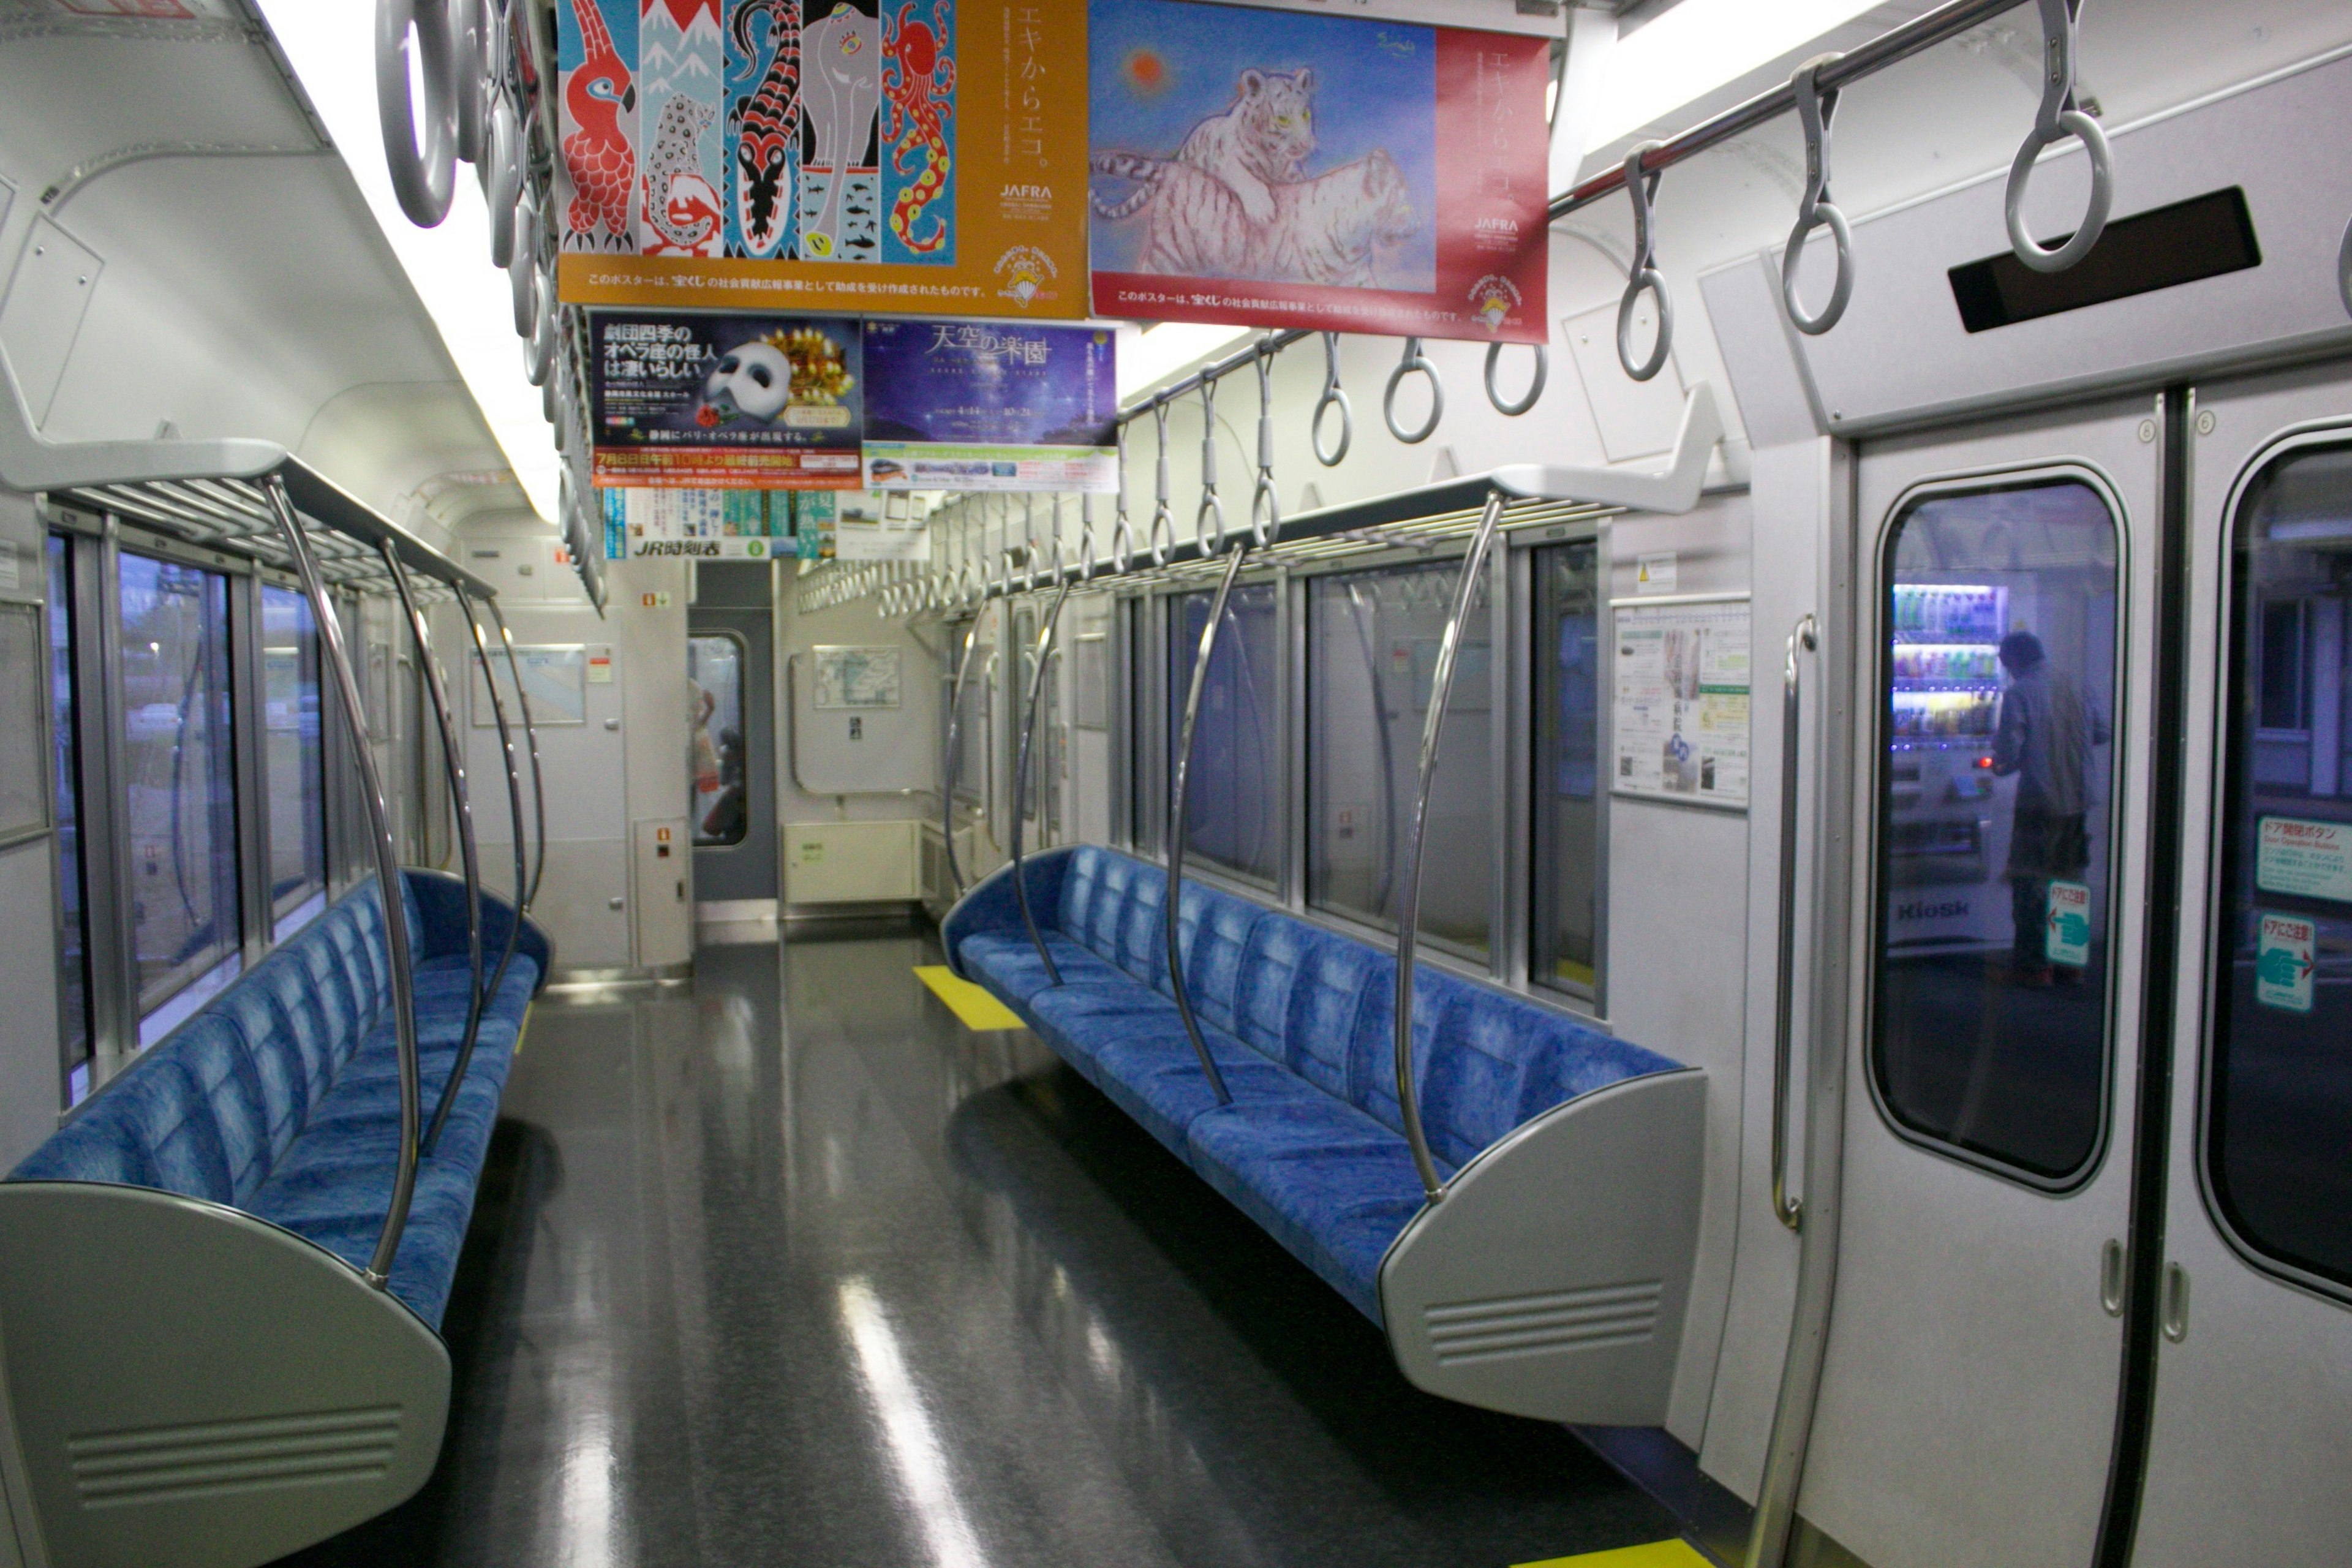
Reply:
x=1281, y=169
x=978, y=405
x=689, y=402
x=836, y=155
x=1679, y=727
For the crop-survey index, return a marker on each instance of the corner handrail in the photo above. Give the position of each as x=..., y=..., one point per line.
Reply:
x=514, y=810
x=378, y=1272
x=1172, y=921
x=1802, y=639
x=538, y=778
x=947, y=765
x=1020, y=772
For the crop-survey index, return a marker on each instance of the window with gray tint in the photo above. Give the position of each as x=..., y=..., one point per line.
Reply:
x=1372, y=659
x=1995, y=823
x=180, y=781
x=1233, y=807
x=73, y=971
x=2278, y=1104
x=714, y=663
x=1566, y=817
x=292, y=757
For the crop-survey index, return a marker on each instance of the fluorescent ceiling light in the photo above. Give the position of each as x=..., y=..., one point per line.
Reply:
x=1700, y=46
x=331, y=44
x=1157, y=351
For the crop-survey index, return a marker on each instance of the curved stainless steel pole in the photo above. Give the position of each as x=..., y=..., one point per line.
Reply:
x=1441, y=689
x=437, y=687
x=1171, y=916
x=1021, y=778
x=514, y=808
x=387, y=879
x=947, y=765
x=1801, y=640
x=530, y=738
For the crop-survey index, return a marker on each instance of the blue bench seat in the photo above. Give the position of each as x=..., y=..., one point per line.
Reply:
x=280, y=1097
x=1300, y=1022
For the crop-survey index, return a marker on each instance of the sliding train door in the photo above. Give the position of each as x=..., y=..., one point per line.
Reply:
x=2253, y=1366
x=2003, y=578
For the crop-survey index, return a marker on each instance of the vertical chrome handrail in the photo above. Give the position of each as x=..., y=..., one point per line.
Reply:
x=530, y=738
x=1172, y=920
x=1441, y=689
x=514, y=800
x=436, y=688
x=1801, y=640
x=948, y=765
x=387, y=877
x=1021, y=769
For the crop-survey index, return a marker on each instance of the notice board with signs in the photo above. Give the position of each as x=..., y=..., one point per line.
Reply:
x=1285, y=169
x=1679, y=721
x=914, y=156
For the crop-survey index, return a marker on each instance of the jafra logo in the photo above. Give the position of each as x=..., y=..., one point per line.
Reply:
x=1027, y=193
x=1025, y=271
x=1507, y=226
x=1492, y=300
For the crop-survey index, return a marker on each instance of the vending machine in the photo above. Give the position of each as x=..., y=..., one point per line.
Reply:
x=1949, y=814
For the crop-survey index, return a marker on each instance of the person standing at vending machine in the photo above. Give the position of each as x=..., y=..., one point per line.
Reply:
x=2045, y=740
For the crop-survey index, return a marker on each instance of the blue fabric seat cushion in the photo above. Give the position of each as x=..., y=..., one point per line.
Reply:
x=1331, y=1184
x=1150, y=1070
x=1007, y=964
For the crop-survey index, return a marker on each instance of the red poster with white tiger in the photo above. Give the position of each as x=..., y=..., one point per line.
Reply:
x=1290, y=169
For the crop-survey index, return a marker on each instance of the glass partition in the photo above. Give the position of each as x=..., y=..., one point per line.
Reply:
x=714, y=665
x=65, y=742
x=2278, y=1105
x=1232, y=808
x=1996, y=791
x=1566, y=946
x=1373, y=641
x=293, y=758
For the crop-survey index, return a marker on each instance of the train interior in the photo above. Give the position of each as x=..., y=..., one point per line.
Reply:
x=1653, y=923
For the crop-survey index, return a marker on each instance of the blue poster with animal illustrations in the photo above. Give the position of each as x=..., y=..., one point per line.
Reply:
x=989, y=405
x=1291, y=169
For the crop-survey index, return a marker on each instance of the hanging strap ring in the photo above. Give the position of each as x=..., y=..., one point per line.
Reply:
x=1815, y=108
x=2343, y=268
x=503, y=189
x=522, y=265
x=1413, y=360
x=1122, y=545
x=1527, y=399
x=423, y=184
x=1643, y=273
x=1333, y=397
x=1265, y=505
x=2057, y=119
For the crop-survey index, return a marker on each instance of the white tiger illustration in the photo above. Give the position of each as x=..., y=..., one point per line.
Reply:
x=1259, y=141
x=1324, y=230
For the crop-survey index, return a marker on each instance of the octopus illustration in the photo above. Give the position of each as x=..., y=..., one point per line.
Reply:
x=766, y=126
x=603, y=166
x=917, y=80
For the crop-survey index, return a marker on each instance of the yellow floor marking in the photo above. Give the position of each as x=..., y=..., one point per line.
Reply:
x=1657, y=1554
x=974, y=1005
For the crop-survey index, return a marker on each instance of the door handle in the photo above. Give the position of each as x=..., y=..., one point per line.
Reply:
x=2174, y=1311
x=2111, y=1277
x=1802, y=639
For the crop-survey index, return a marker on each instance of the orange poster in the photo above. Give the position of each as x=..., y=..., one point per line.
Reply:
x=923, y=157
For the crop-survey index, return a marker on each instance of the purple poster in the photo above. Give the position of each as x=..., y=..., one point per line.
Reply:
x=979, y=406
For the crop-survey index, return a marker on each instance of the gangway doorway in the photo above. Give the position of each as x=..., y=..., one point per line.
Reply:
x=731, y=756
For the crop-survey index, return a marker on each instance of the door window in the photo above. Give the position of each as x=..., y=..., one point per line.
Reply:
x=1566, y=817
x=714, y=665
x=64, y=736
x=1995, y=824
x=2278, y=1106
x=294, y=758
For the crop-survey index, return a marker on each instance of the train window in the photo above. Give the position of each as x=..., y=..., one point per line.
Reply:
x=1145, y=808
x=1995, y=826
x=294, y=759
x=714, y=664
x=2278, y=1104
x=1372, y=655
x=1566, y=941
x=1233, y=807
x=180, y=788
x=73, y=939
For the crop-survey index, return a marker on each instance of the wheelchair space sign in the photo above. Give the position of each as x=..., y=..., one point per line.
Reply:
x=2282, y=963
x=2069, y=939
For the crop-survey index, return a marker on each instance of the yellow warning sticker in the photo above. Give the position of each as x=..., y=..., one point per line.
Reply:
x=1657, y=1554
x=973, y=1004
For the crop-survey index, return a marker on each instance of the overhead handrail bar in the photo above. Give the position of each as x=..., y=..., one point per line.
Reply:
x=530, y=738
x=2056, y=119
x=1021, y=772
x=1642, y=273
x=1814, y=209
x=436, y=689
x=1334, y=397
x=1803, y=639
x=1413, y=361
x=514, y=810
x=378, y=1272
x=1171, y=916
x=1449, y=647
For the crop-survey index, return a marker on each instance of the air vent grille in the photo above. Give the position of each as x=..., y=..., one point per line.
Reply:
x=172, y=1464
x=1545, y=1323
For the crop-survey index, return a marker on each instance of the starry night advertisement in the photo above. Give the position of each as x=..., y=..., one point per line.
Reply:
x=980, y=405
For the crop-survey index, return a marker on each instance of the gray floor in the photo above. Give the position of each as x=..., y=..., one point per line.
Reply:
x=792, y=1268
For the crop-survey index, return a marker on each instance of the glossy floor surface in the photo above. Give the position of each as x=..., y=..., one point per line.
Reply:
x=789, y=1267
